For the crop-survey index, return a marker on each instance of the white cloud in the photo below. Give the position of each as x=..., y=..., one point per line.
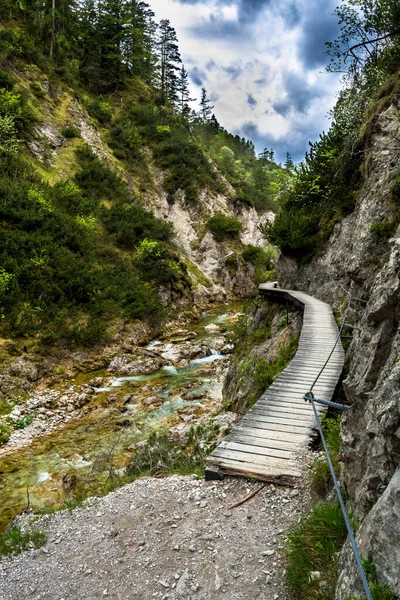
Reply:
x=262, y=59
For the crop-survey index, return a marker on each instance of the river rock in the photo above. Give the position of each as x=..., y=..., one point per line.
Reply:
x=124, y=365
x=21, y=367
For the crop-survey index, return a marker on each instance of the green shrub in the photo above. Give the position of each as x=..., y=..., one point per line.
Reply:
x=6, y=82
x=37, y=89
x=384, y=229
x=321, y=477
x=222, y=226
x=131, y=224
x=97, y=179
x=162, y=455
x=71, y=199
x=5, y=432
x=23, y=422
x=100, y=110
x=253, y=255
x=16, y=541
x=156, y=262
x=378, y=590
x=125, y=140
x=312, y=551
x=69, y=131
x=266, y=372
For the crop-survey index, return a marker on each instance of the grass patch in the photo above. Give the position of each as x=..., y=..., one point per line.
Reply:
x=163, y=455
x=378, y=590
x=16, y=541
x=312, y=551
x=321, y=478
x=384, y=229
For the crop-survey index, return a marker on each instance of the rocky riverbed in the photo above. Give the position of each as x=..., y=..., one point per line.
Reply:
x=176, y=538
x=175, y=382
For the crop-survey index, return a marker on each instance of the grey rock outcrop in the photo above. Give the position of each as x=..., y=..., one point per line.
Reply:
x=355, y=256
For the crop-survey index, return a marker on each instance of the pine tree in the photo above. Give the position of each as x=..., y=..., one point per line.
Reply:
x=138, y=40
x=183, y=93
x=205, y=106
x=169, y=59
x=289, y=161
x=267, y=155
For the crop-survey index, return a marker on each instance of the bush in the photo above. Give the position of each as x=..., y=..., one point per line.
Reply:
x=222, y=226
x=312, y=551
x=253, y=255
x=100, y=110
x=5, y=432
x=69, y=131
x=162, y=455
x=384, y=229
x=321, y=477
x=266, y=372
x=23, y=422
x=125, y=140
x=6, y=82
x=378, y=591
x=16, y=541
x=131, y=224
x=97, y=179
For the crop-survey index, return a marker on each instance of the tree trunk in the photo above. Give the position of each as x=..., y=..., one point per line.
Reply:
x=53, y=27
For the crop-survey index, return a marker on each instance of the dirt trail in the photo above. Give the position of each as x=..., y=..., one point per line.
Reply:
x=172, y=538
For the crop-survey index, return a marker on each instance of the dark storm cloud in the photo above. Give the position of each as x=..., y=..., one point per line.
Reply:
x=197, y=76
x=296, y=142
x=319, y=26
x=282, y=107
x=289, y=12
x=248, y=10
x=233, y=70
x=216, y=26
x=251, y=101
x=298, y=95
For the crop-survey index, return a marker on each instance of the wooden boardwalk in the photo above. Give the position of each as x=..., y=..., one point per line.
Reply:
x=265, y=443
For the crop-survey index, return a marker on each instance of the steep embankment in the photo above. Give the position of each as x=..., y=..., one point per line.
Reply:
x=364, y=252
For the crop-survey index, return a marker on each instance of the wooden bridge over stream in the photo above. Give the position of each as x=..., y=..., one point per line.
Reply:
x=265, y=443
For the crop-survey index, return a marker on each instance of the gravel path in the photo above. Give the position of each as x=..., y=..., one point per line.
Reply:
x=172, y=538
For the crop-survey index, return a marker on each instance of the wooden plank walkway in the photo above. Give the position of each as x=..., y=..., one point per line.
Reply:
x=265, y=443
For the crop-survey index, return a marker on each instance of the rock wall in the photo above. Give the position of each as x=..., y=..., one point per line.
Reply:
x=355, y=256
x=269, y=329
x=199, y=246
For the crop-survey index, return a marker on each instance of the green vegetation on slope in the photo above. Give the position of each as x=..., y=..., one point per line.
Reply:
x=77, y=249
x=326, y=185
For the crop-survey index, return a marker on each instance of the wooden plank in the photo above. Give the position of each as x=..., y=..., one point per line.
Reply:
x=274, y=434
x=250, y=469
x=268, y=438
x=275, y=411
x=256, y=459
x=253, y=440
x=272, y=424
x=255, y=449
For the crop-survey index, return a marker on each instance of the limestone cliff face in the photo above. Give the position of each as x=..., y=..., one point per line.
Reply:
x=213, y=277
x=220, y=262
x=357, y=257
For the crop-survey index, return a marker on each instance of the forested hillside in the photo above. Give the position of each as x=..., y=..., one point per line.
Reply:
x=329, y=181
x=95, y=116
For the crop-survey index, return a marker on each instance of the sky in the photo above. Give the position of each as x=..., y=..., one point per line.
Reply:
x=262, y=63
